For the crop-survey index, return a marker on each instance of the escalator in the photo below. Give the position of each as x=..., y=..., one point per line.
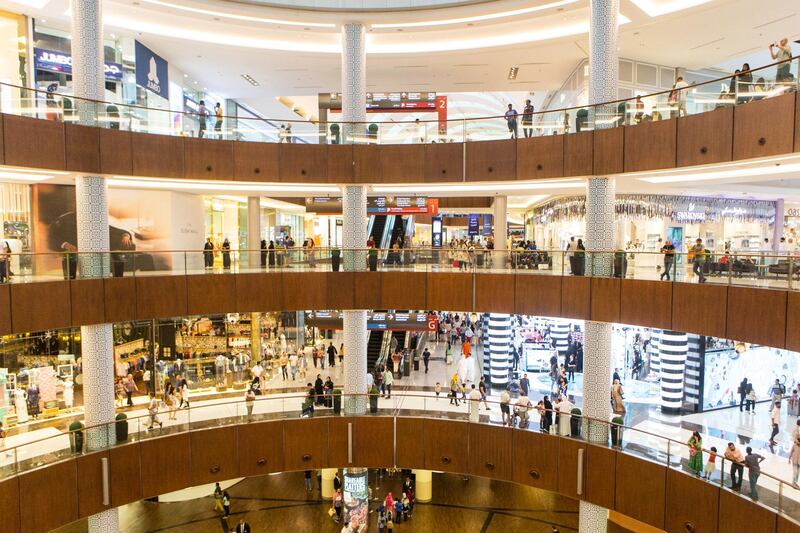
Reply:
x=374, y=348
x=377, y=225
x=398, y=230
x=401, y=339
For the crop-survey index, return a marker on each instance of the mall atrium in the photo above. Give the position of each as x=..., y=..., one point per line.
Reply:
x=400, y=265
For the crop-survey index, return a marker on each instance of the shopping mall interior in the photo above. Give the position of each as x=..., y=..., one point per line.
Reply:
x=400, y=265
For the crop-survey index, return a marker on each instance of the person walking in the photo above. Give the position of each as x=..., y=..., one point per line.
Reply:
x=218, y=121
x=695, y=445
x=218, y=498
x=332, y=351
x=307, y=480
x=736, y=459
x=242, y=526
x=226, y=504
x=753, y=463
x=454, y=390
x=505, y=410
x=617, y=396
x=711, y=464
x=482, y=390
x=524, y=384
x=208, y=253
x=474, y=404
x=669, y=258
x=775, y=419
x=794, y=457
x=426, y=358
x=152, y=411
x=697, y=260
x=388, y=379
x=130, y=388
x=249, y=401
x=548, y=414
x=202, y=116
x=226, y=254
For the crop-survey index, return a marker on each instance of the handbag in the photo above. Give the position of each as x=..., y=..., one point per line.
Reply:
x=331, y=512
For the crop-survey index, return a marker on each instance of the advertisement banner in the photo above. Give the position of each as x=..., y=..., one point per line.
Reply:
x=377, y=205
x=441, y=110
x=356, y=498
x=376, y=320
x=436, y=231
x=487, y=225
x=62, y=62
x=474, y=224
x=152, y=71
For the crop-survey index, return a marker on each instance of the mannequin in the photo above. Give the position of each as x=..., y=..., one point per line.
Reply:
x=33, y=401
x=21, y=406
x=68, y=394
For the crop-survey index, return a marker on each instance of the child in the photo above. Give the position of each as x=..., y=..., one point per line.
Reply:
x=437, y=389
x=711, y=464
x=152, y=410
x=464, y=392
x=389, y=525
x=398, y=510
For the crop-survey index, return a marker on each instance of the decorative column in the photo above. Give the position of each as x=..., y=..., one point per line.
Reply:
x=777, y=228
x=500, y=219
x=88, y=77
x=354, y=82
x=254, y=232
x=499, y=348
x=423, y=486
x=97, y=341
x=326, y=491
x=255, y=338
x=354, y=240
x=600, y=230
x=672, y=349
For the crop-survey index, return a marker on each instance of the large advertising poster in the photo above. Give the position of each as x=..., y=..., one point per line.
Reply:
x=152, y=72
x=149, y=222
x=761, y=365
x=356, y=499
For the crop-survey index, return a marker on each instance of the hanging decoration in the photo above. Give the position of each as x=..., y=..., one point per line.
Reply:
x=680, y=209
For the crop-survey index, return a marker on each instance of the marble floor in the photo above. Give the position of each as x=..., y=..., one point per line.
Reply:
x=281, y=503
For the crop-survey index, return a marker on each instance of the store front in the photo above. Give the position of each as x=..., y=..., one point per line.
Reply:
x=645, y=221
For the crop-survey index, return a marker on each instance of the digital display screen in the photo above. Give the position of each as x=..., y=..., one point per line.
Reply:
x=393, y=101
x=376, y=320
x=376, y=205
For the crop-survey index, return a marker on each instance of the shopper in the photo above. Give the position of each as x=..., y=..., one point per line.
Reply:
x=548, y=414
x=511, y=121
x=249, y=401
x=218, y=498
x=388, y=379
x=226, y=504
x=332, y=351
x=218, y=122
x=426, y=359
x=698, y=259
x=242, y=526
x=152, y=411
x=482, y=390
x=753, y=463
x=341, y=353
x=226, y=254
x=527, y=119
x=524, y=384
x=669, y=258
x=736, y=459
x=337, y=506
x=284, y=362
x=474, y=404
x=695, y=445
x=775, y=419
x=208, y=253
x=130, y=388
x=742, y=390
x=617, y=395
x=202, y=116
x=711, y=464
x=307, y=480
x=794, y=456
x=782, y=51
x=454, y=390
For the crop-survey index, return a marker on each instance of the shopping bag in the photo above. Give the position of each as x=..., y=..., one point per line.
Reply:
x=331, y=512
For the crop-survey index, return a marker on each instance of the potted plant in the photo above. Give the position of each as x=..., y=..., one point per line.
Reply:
x=337, y=401
x=373, y=399
x=121, y=427
x=76, y=437
x=575, y=423
x=336, y=256
x=616, y=430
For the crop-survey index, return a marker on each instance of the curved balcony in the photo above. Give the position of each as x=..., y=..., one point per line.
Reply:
x=752, y=299
x=694, y=126
x=633, y=472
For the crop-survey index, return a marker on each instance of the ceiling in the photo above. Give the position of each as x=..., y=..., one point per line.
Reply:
x=468, y=47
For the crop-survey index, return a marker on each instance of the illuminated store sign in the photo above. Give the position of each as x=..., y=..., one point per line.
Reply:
x=53, y=61
x=377, y=205
x=152, y=71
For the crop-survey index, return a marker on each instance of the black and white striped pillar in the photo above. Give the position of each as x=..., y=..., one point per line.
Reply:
x=559, y=331
x=499, y=333
x=485, y=348
x=672, y=349
x=652, y=350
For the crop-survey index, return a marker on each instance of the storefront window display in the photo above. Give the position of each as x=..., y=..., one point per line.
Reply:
x=643, y=221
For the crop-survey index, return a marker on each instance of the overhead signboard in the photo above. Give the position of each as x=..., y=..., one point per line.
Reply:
x=377, y=205
x=54, y=61
x=152, y=71
x=376, y=320
x=382, y=102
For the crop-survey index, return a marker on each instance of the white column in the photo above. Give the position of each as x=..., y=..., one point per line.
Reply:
x=354, y=81
x=97, y=341
x=87, y=57
x=777, y=229
x=327, y=483
x=354, y=239
x=499, y=345
x=423, y=485
x=500, y=219
x=254, y=231
x=600, y=230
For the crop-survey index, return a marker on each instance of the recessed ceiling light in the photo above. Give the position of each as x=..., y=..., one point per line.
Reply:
x=512, y=73
x=250, y=80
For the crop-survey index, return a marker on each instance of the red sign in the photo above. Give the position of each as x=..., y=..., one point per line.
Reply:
x=441, y=110
x=433, y=324
x=433, y=206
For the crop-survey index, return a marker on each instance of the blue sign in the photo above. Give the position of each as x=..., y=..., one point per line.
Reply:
x=152, y=71
x=474, y=224
x=62, y=62
x=487, y=225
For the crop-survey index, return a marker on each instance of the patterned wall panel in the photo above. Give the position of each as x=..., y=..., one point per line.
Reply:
x=591, y=518
x=600, y=226
x=354, y=226
x=104, y=522
x=91, y=205
x=603, y=57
